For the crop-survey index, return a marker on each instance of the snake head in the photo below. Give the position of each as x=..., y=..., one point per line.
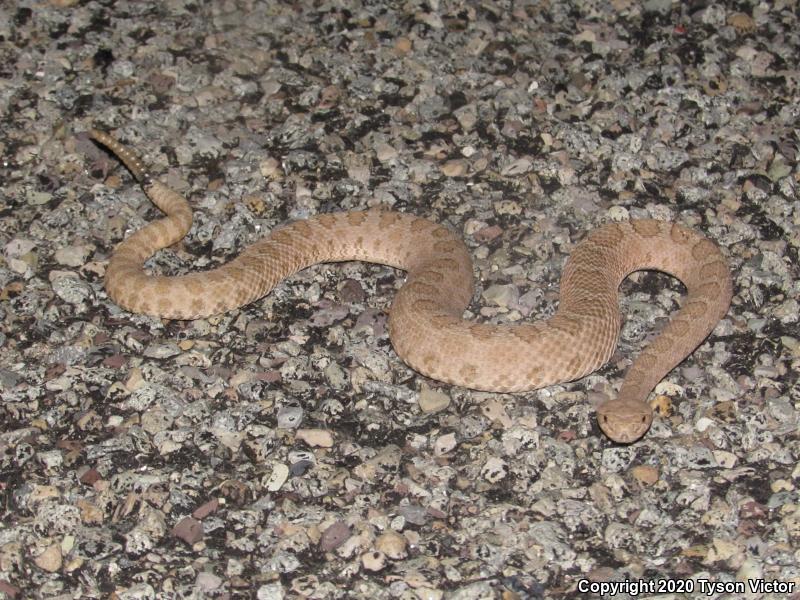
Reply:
x=624, y=421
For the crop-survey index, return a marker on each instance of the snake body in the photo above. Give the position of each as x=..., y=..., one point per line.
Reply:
x=426, y=324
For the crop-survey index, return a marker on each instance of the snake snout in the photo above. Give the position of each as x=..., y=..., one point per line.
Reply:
x=624, y=422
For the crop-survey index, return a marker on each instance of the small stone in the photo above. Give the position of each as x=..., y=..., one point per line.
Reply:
x=289, y=417
x=300, y=466
x=9, y=590
x=454, y=168
x=385, y=152
x=188, y=529
x=279, y=475
x=488, y=233
x=662, y=405
x=208, y=582
x=618, y=213
x=617, y=458
x=19, y=266
x=792, y=344
x=791, y=522
x=18, y=247
x=39, y=493
x=444, y=444
x=657, y=6
x=494, y=470
x=787, y=312
x=155, y=420
x=50, y=459
x=715, y=86
x=69, y=288
x=696, y=551
x=413, y=513
x=352, y=292
x=230, y=439
x=426, y=593
x=431, y=401
x=50, y=560
x=781, y=485
x=115, y=361
x=90, y=513
x=72, y=256
x=357, y=168
x=210, y=507
x=721, y=549
x=507, y=207
x=334, y=536
x=750, y=569
x=270, y=168
x=431, y=19
x=166, y=350
x=403, y=45
x=329, y=97
x=336, y=376
x=501, y=295
x=741, y=22
x=752, y=510
x=90, y=476
x=329, y=314
x=373, y=561
x=704, y=423
x=392, y=544
x=135, y=380
x=645, y=474
x=315, y=437
x=270, y=591
x=270, y=87
x=38, y=198
x=144, y=536
x=467, y=116
x=725, y=459
x=517, y=167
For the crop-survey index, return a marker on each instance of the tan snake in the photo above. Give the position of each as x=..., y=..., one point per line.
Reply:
x=426, y=324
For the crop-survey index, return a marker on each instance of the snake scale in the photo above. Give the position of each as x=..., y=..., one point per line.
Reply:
x=426, y=324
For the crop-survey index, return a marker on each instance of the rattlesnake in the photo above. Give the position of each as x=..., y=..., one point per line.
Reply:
x=426, y=324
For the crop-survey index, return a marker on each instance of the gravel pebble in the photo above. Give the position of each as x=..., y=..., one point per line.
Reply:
x=188, y=529
x=49, y=559
x=279, y=475
x=290, y=417
x=315, y=437
x=334, y=536
x=373, y=561
x=433, y=401
x=392, y=545
x=72, y=256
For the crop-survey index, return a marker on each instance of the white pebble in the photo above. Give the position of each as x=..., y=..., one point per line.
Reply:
x=315, y=437
x=431, y=401
x=373, y=561
x=279, y=475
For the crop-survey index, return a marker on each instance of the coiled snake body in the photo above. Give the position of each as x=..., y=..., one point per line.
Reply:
x=426, y=324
